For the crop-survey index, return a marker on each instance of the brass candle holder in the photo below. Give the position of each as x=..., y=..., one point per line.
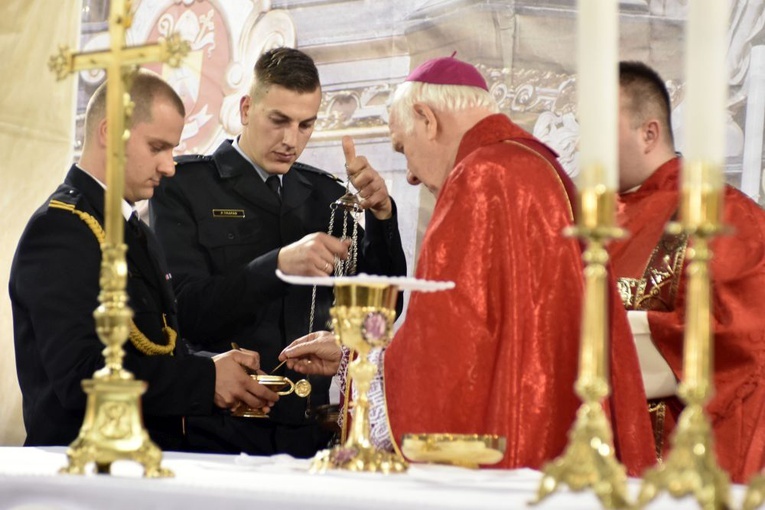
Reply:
x=280, y=385
x=691, y=467
x=589, y=461
x=113, y=427
x=362, y=319
x=755, y=493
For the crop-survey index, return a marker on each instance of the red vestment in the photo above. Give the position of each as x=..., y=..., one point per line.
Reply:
x=499, y=353
x=737, y=409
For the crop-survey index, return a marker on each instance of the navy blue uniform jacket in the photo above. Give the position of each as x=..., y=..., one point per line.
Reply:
x=54, y=288
x=222, y=227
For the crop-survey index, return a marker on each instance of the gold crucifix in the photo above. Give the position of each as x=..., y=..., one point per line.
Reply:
x=113, y=427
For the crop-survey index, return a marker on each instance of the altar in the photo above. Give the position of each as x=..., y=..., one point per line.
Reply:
x=29, y=480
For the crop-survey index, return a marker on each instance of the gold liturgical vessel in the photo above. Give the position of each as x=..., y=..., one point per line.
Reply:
x=589, y=460
x=691, y=467
x=362, y=319
x=346, y=206
x=280, y=385
x=755, y=493
x=113, y=426
x=464, y=450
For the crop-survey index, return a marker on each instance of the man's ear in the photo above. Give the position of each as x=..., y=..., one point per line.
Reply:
x=425, y=114
x=102, y=132
x=651, y=135
x=244, y=109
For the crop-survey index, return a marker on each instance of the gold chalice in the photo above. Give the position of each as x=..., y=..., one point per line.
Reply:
x=280, y=385
x=362, y=319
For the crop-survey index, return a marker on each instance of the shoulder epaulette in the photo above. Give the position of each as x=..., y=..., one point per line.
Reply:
x=190, y=158
x=308, y=168
x=64, y=198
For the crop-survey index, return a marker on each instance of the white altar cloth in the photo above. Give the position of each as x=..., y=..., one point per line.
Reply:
x=29, y=481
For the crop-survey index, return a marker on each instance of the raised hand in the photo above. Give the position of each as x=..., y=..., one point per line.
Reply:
x=373, y=194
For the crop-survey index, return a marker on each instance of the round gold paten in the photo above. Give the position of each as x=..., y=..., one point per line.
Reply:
x=466, y=450
x=302, y=388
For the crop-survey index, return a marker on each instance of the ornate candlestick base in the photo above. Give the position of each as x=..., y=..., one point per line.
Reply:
x=113, y=425
x=691, y=467
x=113, y=430
x=755, y=493
x=589, y=461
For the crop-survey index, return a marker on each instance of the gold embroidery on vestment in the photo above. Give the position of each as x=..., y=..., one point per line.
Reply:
x=657, y=288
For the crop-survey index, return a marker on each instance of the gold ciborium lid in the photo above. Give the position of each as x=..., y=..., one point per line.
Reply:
x=466, y=450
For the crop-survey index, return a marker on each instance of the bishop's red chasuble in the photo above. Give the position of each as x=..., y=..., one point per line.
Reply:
x=737, y=409
x=499, y=353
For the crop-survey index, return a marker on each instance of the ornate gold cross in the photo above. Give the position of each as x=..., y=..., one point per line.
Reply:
x=113, y=428
x=119, y=62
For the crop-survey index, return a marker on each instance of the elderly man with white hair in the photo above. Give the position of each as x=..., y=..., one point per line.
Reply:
x=497, y=354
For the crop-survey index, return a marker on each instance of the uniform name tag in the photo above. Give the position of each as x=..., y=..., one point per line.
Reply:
x=228, y=213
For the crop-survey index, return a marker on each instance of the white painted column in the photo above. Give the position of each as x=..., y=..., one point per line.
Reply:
x=751, y=173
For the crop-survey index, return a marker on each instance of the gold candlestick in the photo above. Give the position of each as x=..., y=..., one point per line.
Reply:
x=113, y=428
x=589, y=461
x=755, y=493
x=691, y=467
x=362, y=319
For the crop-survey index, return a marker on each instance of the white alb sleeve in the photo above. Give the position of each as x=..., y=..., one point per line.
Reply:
x=658, y=379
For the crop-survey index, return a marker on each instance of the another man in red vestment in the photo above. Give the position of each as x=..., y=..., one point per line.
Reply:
x=650, y=267
x=497, y=354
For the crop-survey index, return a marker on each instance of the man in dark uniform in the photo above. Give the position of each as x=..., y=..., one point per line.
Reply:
x=229, y=220
x=54, y=287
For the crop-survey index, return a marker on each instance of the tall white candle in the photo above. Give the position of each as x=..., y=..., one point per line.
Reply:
x=598, y=92
x=706, y=89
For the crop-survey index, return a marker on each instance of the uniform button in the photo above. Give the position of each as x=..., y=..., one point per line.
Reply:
x=231, y=235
